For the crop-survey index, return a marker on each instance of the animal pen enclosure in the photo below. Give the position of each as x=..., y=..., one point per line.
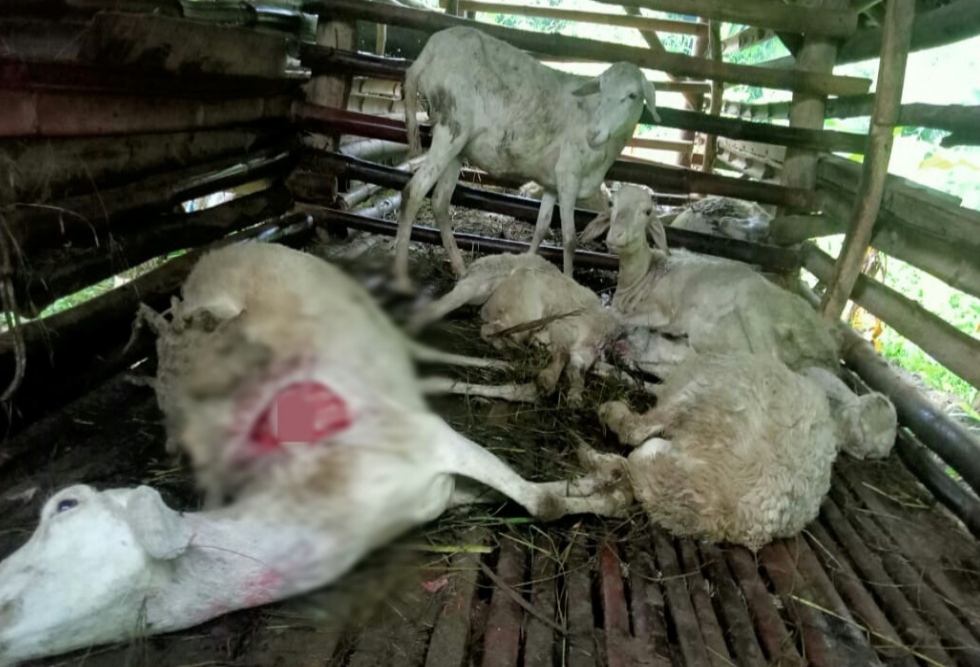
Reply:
x=115, y=113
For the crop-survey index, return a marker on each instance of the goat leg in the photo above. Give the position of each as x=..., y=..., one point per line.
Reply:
x=548, y=200
x=517, y=393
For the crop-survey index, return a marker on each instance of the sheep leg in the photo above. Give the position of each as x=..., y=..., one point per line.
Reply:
x=548, y=378
x=443, y=152
x=472, y=291
x=630, y=428
x=545, y=213
x=567, y=190
x=425, y=354
x=440, y=210
x=514, y=392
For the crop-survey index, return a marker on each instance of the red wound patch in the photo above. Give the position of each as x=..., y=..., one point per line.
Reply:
x=306, y=412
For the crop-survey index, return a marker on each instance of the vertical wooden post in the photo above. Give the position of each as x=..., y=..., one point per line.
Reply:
x=452, y=7
x=700, y=49
x=896, y=37
x=380, y=39
x=818, y=54
x=717, y=91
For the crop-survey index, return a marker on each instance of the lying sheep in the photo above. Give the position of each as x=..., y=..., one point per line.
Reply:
x=738, y=449
x=702, y=304
x=725, y=216
x=527, y=299
x=296, y=394
x=512, y=116
x=674, y=305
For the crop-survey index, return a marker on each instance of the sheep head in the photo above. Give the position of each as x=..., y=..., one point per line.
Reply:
x=85, y=574
x=632, y=219
x=620, y=93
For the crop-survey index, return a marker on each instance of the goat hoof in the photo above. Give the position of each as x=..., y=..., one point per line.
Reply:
x=612, y=411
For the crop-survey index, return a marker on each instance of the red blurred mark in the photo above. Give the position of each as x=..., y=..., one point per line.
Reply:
x=436, y=584
x=262, y=589
x=306, y=412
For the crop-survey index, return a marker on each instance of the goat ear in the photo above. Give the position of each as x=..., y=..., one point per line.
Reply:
x=650, y=96
x=161, y=532
x=655, y=230
x=590, y=87
x=596, y=228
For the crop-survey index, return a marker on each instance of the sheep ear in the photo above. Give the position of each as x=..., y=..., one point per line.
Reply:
x=596, y=228
x=590, y=87
x=650, y=96
x=161, y=532
x=655, y=230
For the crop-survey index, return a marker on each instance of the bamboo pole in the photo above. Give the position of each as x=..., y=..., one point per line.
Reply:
x=891, y=78
x=672, y=63
x=637, y=21
x=746, y=38
x=717, y=91
x=762, y=13
x=951, y=347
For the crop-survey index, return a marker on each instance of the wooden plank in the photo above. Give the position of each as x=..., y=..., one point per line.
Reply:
x=540, y=638
x=580, y=622
x=601, y=18
x=746, y=38
x=27, y=114
x=161, y=43
x=717, y=90
x=502, y=638
x=680, y=65
x=762, y=13
x=679, y=605
x=660, y=144
x=448, y=645
x=888, y=98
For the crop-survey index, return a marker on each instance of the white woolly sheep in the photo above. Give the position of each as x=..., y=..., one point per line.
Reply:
x=725, y=216
x=738, y=449
x=298, y=395
x=512, y=116
x=673, y=305
x=526, y=299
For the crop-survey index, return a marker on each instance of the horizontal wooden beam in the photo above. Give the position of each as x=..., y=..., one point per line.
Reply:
x=763, y=13
x=31, y=114
x=39, y=170
x=525, y=209
x=624, y=21
x=949, y=24
x=961, y=120
x=746, y=38
x=668, y=179
x=73, y=77
x=951, y=347
x=661, y=144
x=323, y=59
x=553, y=44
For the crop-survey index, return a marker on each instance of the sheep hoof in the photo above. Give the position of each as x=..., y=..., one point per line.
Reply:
x=405, y=287
x=612, y=411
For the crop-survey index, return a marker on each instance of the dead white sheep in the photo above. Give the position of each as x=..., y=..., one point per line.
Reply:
x=674, y=305
x=699, y=303
x=738, y=449
x=724, y=216
x=512, y=116
x=525, y=299
x=315, y=489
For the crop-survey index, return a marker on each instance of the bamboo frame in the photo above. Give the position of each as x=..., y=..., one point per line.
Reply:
x=888, y=98
x=679, y=65
x=717, y=90
x=954, y=349
x=602, y=18
x=746, y=38
x=761, y=13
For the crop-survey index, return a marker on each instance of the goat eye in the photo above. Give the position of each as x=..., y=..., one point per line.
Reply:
x=65, y=505
x=632, y=96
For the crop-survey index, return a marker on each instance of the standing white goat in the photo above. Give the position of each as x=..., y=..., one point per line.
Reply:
x=498, y=107
x=525, y=298
x=295, y=393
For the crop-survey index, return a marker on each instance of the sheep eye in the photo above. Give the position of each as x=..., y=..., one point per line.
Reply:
x=65, y=505
x=632, y=96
